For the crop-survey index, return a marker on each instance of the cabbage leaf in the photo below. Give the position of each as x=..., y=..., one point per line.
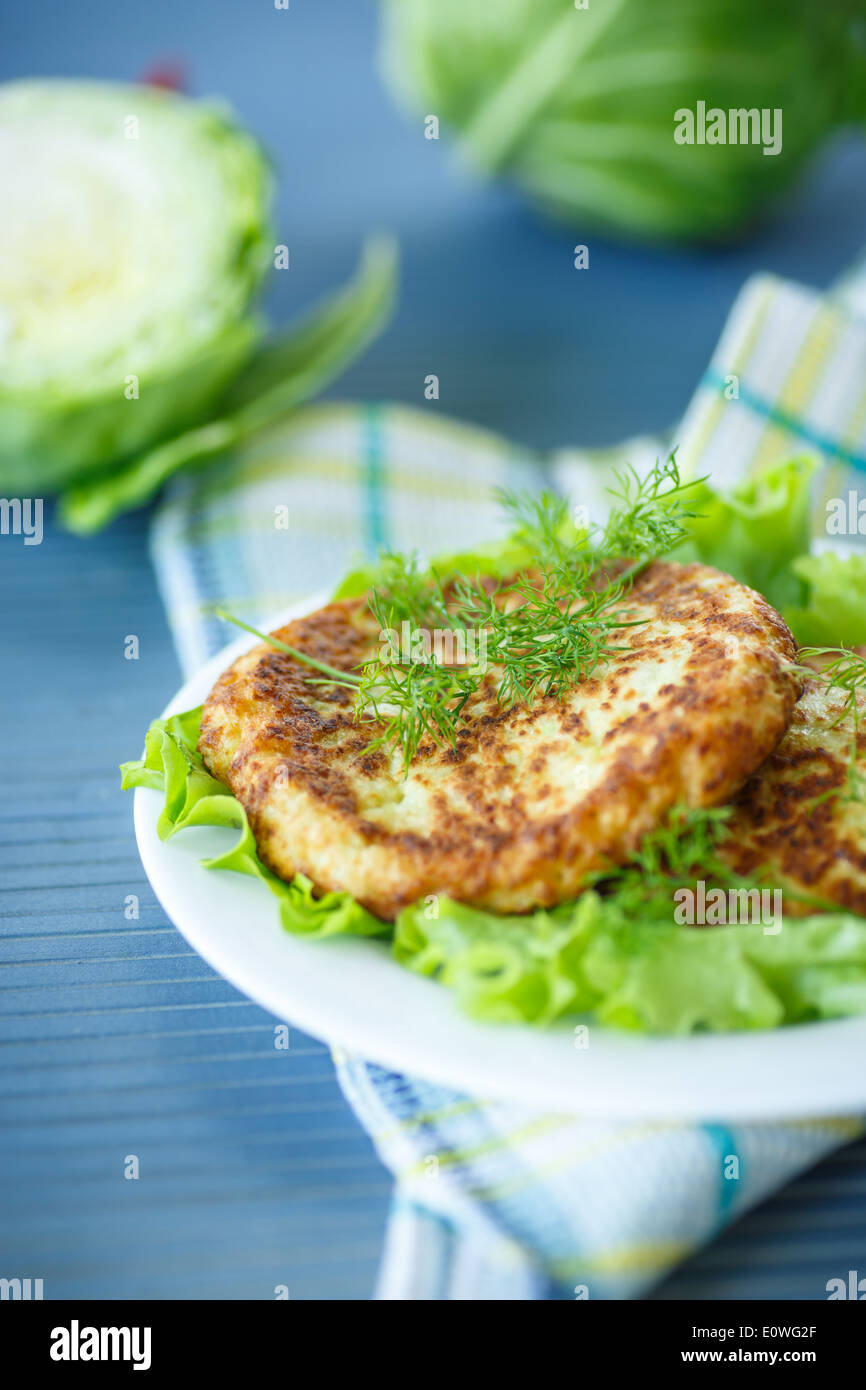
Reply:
x=282, y=374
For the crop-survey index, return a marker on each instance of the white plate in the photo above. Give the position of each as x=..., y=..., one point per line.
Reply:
x=349, y=991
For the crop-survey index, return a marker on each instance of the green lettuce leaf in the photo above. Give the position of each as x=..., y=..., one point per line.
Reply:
x=648, y=976
x=834, y=614
x=608, y=955
x=172, y=765
x=499, y=558
x=756, y=531
x=502, y=969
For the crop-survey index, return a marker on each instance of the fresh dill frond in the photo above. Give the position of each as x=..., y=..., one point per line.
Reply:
x=648, y=515
x=529, y=631
x=408, y=593
x=647, y=518
x=541, y=632
x=681, y=847
x=543, y=524
x=681, y=852
x=843, y=670
x=412, y=702
x=687, y=840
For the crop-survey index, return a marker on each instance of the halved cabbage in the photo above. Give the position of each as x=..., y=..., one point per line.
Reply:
x=134, y=233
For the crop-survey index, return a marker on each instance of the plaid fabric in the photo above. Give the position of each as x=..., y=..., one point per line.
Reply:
x=493, y=1201
x=329, y=488
x=788, y=375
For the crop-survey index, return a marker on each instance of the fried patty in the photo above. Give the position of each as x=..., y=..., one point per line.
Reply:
x=533, y=799
x=795, y=823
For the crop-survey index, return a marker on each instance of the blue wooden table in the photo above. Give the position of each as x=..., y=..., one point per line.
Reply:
x=115, y=1038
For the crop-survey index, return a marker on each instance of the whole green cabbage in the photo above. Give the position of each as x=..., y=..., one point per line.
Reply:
x=576, y=102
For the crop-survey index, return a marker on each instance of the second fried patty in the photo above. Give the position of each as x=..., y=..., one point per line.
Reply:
x=799, y=824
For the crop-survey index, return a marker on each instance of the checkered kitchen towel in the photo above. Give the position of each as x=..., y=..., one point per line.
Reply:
x=494, y=1201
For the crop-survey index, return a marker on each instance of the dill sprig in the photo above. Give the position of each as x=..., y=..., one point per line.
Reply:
x=843, y=670
x=551, y=637
x=647, y=517
x=407, y=593
x=649, y=514
x=542, y=523
x=413, y=702
x=688, y=839
x=333, y=675
x=682, y=846
x=543, y=631
x=539, y=633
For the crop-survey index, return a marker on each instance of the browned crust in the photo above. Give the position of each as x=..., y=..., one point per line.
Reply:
x=497, y=829
x=790, y=823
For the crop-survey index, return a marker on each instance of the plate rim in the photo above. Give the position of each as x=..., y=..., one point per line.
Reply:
x=757, y=1059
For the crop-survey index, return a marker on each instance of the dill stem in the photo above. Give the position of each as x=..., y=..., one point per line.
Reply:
x=634, y=570
x=340, y=677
